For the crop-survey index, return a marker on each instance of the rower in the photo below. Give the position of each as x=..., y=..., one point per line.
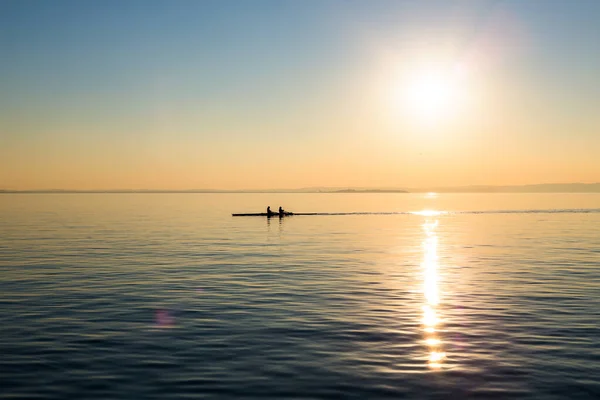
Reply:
x=281, y=211
x=269, y=212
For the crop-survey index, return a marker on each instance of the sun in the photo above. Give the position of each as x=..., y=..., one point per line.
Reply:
x=432, y=96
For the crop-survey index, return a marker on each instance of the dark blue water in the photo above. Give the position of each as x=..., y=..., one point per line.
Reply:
x=168, y=296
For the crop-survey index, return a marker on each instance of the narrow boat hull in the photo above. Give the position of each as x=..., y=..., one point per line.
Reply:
x=271, y=215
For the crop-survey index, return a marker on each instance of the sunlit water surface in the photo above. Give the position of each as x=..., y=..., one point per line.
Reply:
x=169, y=296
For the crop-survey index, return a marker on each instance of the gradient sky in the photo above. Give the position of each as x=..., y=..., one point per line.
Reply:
x=288, y=94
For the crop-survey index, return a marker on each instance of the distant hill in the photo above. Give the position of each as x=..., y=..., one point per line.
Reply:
x=369, y=191
x=538, y=188
x=302, y=190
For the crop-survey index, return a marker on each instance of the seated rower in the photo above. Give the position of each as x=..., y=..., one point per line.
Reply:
x=281, y=212
x=269, y=212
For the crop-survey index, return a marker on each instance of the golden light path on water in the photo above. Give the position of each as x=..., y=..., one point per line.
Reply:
x=431, y=320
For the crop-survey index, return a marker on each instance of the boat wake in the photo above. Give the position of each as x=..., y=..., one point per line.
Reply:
x=439, y=212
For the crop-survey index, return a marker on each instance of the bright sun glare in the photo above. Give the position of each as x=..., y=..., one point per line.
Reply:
x=432, y=96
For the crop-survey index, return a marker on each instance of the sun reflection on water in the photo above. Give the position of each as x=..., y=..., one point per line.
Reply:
x=429, y=213
x=431, y=320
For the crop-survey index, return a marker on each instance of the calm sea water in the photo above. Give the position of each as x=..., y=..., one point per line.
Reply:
x=157, y=296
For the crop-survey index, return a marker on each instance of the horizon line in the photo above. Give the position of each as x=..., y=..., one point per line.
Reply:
x=329, y=189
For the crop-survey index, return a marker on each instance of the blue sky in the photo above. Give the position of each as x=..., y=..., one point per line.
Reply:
x=102, y=94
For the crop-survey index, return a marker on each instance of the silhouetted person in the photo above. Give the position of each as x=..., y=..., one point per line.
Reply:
x=269, y=212
x=281, y=211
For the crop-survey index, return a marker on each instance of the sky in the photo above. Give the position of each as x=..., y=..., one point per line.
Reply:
x=175, y=95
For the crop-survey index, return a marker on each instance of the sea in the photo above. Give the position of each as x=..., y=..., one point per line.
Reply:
x=377, y=296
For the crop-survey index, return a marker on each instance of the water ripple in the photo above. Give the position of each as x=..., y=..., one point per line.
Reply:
x=133, y=300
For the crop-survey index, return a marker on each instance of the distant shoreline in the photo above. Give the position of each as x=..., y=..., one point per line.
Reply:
x=193, y=191
x=538, y=188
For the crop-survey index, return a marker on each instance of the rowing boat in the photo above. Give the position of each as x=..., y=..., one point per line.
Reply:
x=268, y=215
